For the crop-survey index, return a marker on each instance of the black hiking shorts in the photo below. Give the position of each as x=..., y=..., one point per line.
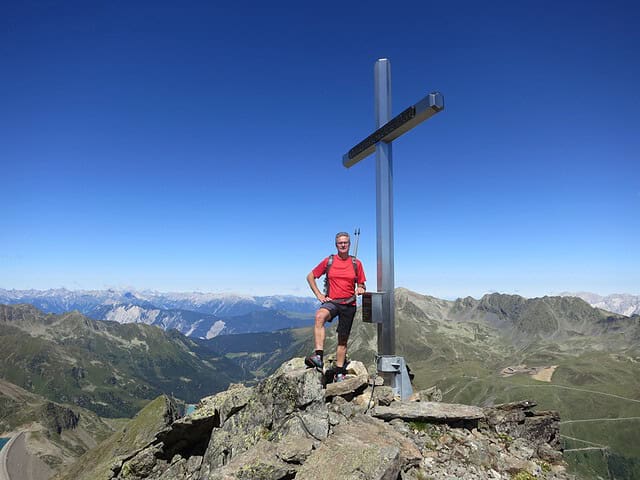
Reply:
x=345, y=314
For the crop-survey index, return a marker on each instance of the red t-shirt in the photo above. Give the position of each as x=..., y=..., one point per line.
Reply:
x=342, y=277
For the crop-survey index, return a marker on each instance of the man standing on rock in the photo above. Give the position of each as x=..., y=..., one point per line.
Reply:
x=345, y=279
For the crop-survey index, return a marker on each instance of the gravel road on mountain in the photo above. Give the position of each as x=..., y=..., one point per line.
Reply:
x=17, y=464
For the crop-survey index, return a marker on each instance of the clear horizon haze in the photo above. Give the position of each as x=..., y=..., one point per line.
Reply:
x=197, y=146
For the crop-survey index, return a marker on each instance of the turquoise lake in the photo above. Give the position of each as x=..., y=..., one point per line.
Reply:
x=3, y=441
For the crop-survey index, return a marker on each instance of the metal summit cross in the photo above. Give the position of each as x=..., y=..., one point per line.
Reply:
x=378, y=307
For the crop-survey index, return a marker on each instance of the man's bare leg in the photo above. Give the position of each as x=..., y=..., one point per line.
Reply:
x=341, y=351
x=322, y=315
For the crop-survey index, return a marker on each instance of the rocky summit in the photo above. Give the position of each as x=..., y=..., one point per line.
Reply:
x=292, y=426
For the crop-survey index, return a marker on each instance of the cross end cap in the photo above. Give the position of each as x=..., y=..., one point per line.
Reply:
x=436, y=101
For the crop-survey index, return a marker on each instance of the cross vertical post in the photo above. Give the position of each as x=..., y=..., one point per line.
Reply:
x=384, y=211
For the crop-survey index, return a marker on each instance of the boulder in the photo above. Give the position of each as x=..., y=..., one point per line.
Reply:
x=57, y=418
x=518, y=420
x=291, y=401
x=362, y=448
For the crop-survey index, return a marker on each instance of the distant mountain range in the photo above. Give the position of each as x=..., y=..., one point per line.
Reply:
x=200, y=315
x=622, y=303
x=207, y=315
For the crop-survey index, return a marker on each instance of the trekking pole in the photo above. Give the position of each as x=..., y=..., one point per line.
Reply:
x=356, y=234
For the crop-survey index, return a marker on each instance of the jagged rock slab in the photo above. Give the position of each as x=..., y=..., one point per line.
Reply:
x=517, y=420
x=223, y=404
x=362, y=448
x=349, y=386
x=429, y=412
x=353, y=385
x=190, y=434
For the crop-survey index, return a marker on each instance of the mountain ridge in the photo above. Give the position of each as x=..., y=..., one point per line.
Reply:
x=201, y=315
x=206, y=315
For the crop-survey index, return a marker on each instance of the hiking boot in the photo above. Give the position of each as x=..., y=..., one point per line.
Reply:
x=339, y=377
x=314, y=361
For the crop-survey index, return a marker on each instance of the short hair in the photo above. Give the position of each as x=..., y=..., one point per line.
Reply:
x=342, y=234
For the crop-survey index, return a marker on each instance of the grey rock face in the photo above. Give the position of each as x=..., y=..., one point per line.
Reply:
x=290, y=402
x=289, y=427
x=518, y=420
x=362, y=448
x=58, y=418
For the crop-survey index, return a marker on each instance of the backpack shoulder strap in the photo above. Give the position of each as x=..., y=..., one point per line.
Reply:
x=326, y=275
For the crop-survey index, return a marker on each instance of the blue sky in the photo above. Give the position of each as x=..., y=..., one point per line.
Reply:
x=182, y=146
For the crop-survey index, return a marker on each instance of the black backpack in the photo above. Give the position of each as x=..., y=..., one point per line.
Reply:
x=326, y=272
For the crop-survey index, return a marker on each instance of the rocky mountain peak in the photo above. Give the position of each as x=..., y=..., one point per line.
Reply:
x=291, y=426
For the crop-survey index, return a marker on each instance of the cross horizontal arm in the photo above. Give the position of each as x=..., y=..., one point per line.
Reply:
x=402, y=123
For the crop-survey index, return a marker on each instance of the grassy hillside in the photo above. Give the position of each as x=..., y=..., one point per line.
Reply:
x=109, y=368
x=261, y=353
x=463, y=346
x=596, y=382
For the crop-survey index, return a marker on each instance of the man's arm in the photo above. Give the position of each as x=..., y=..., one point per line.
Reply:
x=311, y=280
x=361, y=287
